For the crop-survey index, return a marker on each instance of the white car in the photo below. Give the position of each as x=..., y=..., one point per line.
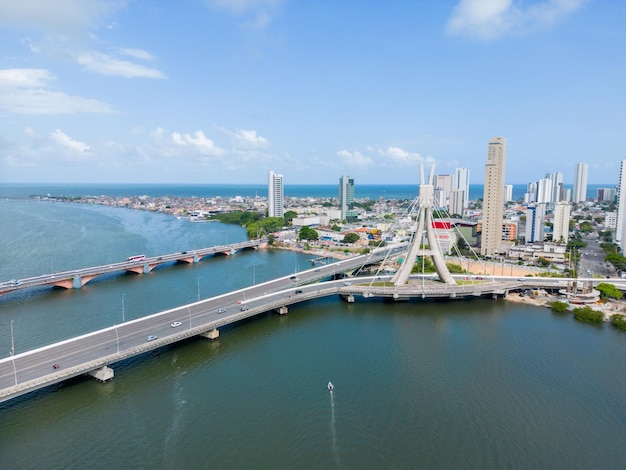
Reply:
x=221, y=310
x=151, y=338
x=175, y=324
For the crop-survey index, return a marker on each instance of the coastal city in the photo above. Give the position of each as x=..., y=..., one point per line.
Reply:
x=545, y=230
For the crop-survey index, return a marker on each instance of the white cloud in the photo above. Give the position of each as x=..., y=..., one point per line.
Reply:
x=401, y=157
x=250, y=139
x=24, y=77
x=136, y=53
x=198, y=142
x=107, y=65
x=355, y=158
x=59, y=17
x=489, y=19
x=66, y=142
x=22, y=92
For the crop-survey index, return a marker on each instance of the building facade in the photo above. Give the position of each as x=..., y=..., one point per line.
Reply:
x=461, y=183
x=580, y=183
x=493, y=197
x=621, y=207
x=275, y=196
x=535, y=215
x=346, y=196
x=560, y=228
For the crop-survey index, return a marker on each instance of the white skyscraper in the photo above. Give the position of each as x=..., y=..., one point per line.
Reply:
x=508, y=192
x=346, y=196
x=461, y=182
x=580, y=183
x=493, y=197
x=560, y=228
x=621, y=207
x=275, y=196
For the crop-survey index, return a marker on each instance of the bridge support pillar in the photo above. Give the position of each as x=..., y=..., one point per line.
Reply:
x=349, y=298
x=212, y=334
x=103, y=374
x=282, y=310
x=77, y=282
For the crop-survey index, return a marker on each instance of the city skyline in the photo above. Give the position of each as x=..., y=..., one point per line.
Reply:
x=220, y=92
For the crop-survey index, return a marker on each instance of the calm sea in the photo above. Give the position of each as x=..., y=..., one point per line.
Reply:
x=366, y=191
x=476, y=384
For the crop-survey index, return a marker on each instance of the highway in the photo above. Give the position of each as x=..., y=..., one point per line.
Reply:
x=34, y=369
x=79, y=277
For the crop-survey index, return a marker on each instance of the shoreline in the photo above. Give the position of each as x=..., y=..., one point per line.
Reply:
x=608, y=308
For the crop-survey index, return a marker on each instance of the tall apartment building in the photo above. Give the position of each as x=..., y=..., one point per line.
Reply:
x=460, y=182
x=621, y=207
x=346, y=196
x=580, y=183
x=443, y=186
x=455, y=202
x=508, y=192
x=493, y=197
x=606, y=194
x=560, y=228
x=535, y=215
x=275, y=196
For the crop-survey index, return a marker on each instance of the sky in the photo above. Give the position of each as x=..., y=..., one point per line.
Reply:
x=223, y=91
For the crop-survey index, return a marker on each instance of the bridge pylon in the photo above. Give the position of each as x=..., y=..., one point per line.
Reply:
x=423, y=240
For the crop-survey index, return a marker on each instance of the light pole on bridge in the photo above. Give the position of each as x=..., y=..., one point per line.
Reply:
x=13, y=354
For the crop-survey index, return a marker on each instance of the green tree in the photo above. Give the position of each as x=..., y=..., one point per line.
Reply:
x=351, y=238
x=586, y=227
x=588, y=315
x=307, y=233
x=618, y=321
x=558, y=306
x=289, y=216
x=609, y=291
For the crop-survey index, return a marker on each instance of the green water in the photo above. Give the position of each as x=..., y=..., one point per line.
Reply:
x=478, y=384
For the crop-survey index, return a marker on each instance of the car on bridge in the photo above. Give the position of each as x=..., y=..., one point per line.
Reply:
x=175, y=324
x=244, y=308
x=151, y=338
x=299, y=291
x=221, y=310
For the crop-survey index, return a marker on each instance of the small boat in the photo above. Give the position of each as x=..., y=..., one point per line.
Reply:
x=330, y=386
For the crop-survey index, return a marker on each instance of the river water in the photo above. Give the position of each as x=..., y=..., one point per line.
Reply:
x=456, y=384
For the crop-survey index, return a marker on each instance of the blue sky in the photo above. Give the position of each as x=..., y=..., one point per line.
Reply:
x=222, y=91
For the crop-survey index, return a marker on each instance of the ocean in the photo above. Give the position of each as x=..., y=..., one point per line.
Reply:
x=372, y=192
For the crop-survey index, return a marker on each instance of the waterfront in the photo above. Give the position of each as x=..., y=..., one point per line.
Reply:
x=482, y=384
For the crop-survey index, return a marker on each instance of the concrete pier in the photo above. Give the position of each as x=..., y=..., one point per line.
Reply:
x=212, y=334
x=103, y=374
x=282, y=310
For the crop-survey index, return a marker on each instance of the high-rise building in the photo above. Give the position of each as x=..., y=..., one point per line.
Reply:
x=556, y=187
x=621, y=207
x=534, y=223
x=455, y=202
x=493, y=197
x=461, y=182
x=508, y=192
x=346, y=196
x=560, y=227
x=580, y=183
x=606, y=194
x=443, y=186
x=275, y=196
